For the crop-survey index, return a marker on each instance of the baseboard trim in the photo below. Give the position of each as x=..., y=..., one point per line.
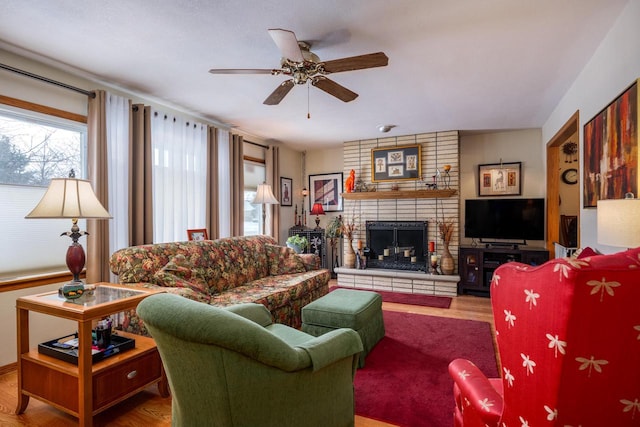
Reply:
x=8, y=368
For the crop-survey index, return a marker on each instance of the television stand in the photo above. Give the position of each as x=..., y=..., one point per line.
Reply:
x=476, y=264
x=512, y=245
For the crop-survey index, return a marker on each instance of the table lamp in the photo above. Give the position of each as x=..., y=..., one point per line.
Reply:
x=317, y=210
x=264, y=196
x=619, y=222
x=71, y=198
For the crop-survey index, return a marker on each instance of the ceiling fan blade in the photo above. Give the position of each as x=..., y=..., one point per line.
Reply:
x=240, y=71
x=359, y=62
x=287, y=43
x=333, y=88
x=280, y=92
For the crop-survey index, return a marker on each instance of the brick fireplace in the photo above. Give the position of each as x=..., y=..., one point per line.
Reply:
x=438, y=149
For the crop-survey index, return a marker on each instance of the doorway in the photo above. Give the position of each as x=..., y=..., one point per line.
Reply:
x=563, y=186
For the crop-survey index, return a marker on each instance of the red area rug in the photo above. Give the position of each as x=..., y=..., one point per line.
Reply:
x=405, y=380
x=405, y=298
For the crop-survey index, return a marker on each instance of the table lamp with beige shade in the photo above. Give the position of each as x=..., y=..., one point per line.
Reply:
x=71, y=198
x=619, y=222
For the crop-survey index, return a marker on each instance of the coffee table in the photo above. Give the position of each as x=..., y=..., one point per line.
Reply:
x=87, y=388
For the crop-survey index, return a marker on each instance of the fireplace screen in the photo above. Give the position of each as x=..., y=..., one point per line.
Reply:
x=399, y=245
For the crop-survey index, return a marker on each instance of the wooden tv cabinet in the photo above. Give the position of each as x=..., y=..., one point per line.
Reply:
x=476, y=264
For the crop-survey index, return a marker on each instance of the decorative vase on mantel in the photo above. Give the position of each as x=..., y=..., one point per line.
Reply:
x=447, y=265
x=349, y=255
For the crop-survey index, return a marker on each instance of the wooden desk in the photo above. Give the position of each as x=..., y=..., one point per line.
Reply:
x=86, y=389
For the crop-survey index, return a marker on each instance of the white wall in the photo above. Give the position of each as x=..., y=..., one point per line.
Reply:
x=509, y=146
x=613, y=67
x=326, y=160
x=290, y=167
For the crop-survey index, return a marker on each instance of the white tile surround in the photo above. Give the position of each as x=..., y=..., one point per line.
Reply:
x=438, y=149
x=411, y=282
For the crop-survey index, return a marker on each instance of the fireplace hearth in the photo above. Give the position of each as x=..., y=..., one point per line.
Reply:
x=397, y=245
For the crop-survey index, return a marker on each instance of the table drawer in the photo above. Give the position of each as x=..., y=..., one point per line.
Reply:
x=122, y=379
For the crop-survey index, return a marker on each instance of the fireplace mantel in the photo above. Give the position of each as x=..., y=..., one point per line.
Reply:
x=399, y=194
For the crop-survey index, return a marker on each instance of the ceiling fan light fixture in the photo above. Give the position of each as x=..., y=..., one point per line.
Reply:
x=385, y=128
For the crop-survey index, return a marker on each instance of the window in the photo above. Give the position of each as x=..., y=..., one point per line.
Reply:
x=254, y=174
x=34, y=148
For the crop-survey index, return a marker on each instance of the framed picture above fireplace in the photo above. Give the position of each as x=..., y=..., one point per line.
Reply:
x=326, y=189
x=396, y=163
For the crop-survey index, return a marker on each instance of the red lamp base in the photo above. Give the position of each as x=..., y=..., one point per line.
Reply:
x=75, y=261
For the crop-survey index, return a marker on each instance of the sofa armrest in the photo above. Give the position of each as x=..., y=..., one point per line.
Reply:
x=257, y=313
x=310, y=261
x=482, y=402
x=332, y=346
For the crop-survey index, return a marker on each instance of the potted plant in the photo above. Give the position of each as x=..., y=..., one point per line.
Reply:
x=297, y=243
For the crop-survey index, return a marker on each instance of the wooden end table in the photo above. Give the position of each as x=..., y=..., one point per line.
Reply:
x=88, y=388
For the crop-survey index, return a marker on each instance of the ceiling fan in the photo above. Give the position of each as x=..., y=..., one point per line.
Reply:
x=304, y=66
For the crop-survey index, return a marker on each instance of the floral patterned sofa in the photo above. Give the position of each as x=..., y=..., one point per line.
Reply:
x=224, y=272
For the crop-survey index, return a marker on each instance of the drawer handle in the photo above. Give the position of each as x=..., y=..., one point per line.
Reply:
x=131, y=375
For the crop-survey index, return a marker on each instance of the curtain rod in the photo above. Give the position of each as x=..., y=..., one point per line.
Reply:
x=256, y=144
x=47, y=80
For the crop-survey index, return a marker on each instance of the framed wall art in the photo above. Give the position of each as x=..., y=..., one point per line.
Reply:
x=326, y=189
x=197, y=234
x=611, y=150
x=396, y=163
x=286, y=194
x=500, y=179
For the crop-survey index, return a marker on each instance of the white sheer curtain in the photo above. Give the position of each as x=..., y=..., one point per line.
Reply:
x=118, y=127
x=224, y=183
x=179, y=176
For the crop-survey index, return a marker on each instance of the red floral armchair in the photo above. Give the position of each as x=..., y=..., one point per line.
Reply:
x=568, y=336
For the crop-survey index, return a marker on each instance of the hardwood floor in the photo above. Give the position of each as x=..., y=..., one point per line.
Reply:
x=149, y=409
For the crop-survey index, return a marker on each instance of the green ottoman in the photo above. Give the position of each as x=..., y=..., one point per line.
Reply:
x=347, y=308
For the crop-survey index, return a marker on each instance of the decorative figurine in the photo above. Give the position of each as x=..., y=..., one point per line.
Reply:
x=351, y=181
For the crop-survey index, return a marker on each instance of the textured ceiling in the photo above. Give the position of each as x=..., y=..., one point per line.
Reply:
x=453, y=65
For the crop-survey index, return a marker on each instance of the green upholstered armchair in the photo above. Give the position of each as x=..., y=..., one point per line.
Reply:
x=233, y=367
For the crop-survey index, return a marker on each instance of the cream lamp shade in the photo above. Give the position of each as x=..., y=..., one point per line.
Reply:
x=69, y=198
x=619, y=222
x=264, y=196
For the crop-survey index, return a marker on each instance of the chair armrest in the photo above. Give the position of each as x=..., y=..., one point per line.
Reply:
x=257, y=313
x=477, y=393
x=332, y=346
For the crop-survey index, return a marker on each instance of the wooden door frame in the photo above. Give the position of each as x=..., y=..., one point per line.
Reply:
x=553, y=180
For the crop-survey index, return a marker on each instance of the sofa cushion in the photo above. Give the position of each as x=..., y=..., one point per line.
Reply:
x=180, y=272
x=283, y=260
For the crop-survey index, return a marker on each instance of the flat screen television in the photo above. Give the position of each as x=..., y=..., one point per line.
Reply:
x=505, y=219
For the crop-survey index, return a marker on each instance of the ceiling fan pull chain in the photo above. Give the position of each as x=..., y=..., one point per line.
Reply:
x=308, y=101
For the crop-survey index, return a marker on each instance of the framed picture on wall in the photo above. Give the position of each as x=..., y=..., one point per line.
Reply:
x=500, y=179
x=396, y=163
x=611, y=150
x=326, y=189
x=286, y=194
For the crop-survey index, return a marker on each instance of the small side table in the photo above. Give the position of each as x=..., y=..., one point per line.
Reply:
x=86, y=389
